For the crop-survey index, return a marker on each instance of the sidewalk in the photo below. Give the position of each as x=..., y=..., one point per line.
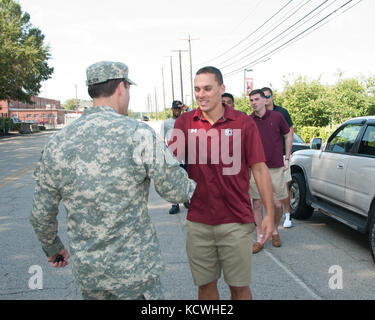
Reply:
x=12, y=134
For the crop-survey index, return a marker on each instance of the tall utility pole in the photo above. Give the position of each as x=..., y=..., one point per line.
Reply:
x=156, y=105
x=171, y=66
x=76, y=102
x=162, y=75
x=182, y=86
x=191, y=70
x=172, y=78
x=149, y=107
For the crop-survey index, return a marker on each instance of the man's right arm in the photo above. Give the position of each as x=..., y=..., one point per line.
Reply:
x=45, y=209
x=264, y=185
x=170, y=180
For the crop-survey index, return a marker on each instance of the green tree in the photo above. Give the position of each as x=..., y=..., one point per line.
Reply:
x=71, y=104
x=243, y=104
x=306, y=101
x=349, y=98
x=24, y=56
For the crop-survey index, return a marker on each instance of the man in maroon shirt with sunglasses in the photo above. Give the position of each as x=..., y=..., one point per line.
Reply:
x=272, y=128
x=220, y=144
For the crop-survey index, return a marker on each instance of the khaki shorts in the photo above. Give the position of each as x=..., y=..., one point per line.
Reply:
x=287, y=175
x=280, y=191
x=226, y=247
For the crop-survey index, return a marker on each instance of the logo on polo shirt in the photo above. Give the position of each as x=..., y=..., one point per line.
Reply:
x=228, y=132
x=215, y=147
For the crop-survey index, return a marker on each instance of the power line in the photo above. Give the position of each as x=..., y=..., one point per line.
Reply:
x=263, y=36
x=248, y=36
x=244, y=19
x=300, y=27
x=287, y=42
x=230, y=33
x=274, y=38
x=316, y=28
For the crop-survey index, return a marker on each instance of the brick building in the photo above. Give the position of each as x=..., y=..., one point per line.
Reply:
x=43, y=110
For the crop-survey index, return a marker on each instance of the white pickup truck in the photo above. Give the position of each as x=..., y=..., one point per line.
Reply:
x=338, y=177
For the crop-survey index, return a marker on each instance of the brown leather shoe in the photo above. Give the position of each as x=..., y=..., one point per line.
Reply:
x=276, y=242
x=257, y=247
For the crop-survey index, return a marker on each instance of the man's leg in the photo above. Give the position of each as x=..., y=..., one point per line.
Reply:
x=279, y=193
x=208, y=291
x=236, y=256
x=240, y=293
x=276, y=242
x=258, y=217
x=278, y=215
x=203, y=258
x=286, y=203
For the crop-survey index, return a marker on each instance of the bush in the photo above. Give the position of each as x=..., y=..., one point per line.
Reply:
x=16, y=126
x=5, y=125
x=41, y=128
x=308, y=133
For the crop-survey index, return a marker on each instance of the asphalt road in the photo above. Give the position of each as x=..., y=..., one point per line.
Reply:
x=319, y=258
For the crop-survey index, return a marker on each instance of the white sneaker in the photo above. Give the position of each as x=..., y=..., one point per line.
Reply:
x=287, y=223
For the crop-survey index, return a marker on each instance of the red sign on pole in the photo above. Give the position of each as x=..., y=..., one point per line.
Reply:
x=249, y=85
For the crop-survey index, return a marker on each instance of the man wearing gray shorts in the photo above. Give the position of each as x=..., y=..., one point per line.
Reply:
x=272, y=128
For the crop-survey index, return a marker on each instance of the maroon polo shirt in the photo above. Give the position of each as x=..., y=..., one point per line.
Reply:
x=220, y=167
x=272, y=128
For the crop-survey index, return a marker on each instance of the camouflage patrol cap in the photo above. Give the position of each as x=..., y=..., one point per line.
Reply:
x=107, y=70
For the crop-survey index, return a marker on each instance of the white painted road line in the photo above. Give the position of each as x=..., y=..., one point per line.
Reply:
x=294, y=276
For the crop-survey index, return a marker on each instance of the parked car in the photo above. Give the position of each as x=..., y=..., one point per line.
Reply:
x=339, y=178
x=145, y=118
x=16, y=120
x=298, y=143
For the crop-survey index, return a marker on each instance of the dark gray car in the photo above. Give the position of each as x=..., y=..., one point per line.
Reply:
x=298, y=143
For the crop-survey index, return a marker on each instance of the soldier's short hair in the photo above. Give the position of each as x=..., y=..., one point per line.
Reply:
x=103, y=78
x=105, y=89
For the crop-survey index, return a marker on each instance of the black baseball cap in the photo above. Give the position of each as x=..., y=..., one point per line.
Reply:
x=176, y=104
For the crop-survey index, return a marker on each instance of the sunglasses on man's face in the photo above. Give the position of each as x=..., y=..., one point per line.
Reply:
x=267, y=97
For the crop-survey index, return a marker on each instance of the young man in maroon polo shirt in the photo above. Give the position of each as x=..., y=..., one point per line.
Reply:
x=272, y=128
x=220, y=145
x=287, y=174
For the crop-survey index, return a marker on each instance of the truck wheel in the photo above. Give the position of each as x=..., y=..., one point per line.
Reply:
x=299, y=209
x=371, y=233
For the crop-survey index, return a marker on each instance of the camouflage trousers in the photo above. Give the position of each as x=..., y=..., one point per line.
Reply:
x=150, y=292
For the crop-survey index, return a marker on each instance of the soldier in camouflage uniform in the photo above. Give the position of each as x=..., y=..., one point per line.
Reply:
x=100, y=166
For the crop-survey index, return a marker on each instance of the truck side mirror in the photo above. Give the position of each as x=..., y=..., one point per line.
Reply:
x=316, y=143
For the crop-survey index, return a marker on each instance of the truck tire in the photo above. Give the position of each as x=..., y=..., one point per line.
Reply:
x=371, y=233
x=299, y=209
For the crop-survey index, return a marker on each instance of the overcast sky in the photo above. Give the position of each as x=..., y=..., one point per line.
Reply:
x=231, y=35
